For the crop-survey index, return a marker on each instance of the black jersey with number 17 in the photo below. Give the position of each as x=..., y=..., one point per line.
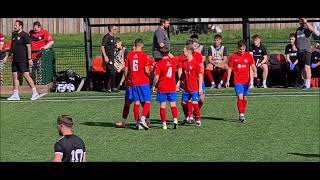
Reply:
x=71, y=147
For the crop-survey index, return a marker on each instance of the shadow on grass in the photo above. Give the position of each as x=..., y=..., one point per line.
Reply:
x=221, y=119
x=155, y=123
x=306, y=155
x=112, y=124
x=103, y=124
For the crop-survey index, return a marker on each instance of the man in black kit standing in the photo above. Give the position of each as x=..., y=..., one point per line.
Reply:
x=21, y=53
x=69, y=148
x=107, y=49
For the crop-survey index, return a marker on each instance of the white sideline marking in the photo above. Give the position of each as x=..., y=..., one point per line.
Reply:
x=121, y=97
x=43, y=94
x=223, y=95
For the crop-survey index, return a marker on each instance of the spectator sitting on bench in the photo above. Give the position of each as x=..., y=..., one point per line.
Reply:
x=259, y=52
x=217, y=62
x=293, y=68
x=315, y=62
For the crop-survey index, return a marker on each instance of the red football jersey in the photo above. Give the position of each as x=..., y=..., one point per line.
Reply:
x=136, y=63
x=191, y=70
x=127, y=79
x=1, y=39
x=39, y=39
x=179, y=59
x=166, y=69
x=197, y=56
x=151, y=63
x=240, y=64
x=8, y=45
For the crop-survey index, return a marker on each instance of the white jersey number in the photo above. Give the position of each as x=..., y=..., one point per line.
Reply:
x=76, y=155
x=169, y=73
x=135, y=65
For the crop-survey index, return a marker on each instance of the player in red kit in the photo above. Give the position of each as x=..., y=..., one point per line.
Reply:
x=137, y=69
x=192, y=78
x=127, y=103
x=126, y=106
x=2, y=57
x=197, y=56
x=165, y=78
x=240, y=63
x=200, y=59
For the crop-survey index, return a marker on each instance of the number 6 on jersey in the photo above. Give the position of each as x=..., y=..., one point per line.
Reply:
x=135, y=65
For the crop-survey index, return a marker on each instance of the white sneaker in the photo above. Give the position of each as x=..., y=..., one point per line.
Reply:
x=13, y=98
x=198, y=123
x=35, y=97
x=144, y=124
x=139, y=127
x=242, y=119
x=213, y=86
x=251, y=86
x=175, y=123
x=190, y=120
x=164, y=126
x=264, y=86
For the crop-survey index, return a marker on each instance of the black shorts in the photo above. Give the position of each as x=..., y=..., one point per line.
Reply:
x=20, y=66
x=315, y=73
x=111, y=68
x=304, y=58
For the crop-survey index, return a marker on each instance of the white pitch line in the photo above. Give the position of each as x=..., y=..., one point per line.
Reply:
x=223, y=95
x=226, y=94
x=43, y=94
x=112, y=98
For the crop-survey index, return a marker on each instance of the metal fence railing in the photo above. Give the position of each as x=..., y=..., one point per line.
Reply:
x=48, y=65
x=46, y=72
x=73, y=57
x=176, y=49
